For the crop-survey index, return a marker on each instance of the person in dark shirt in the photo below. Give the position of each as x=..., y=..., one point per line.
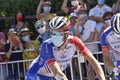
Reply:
x=14, y=44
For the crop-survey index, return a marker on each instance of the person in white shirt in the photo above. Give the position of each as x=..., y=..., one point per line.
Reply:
x=96, y=14
x=116, y=7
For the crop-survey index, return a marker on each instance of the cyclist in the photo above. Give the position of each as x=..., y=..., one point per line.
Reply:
x=56, y=53
x=110, y=41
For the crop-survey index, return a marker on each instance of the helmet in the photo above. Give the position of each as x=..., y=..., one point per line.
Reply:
x=59, y=23
x=115, y=23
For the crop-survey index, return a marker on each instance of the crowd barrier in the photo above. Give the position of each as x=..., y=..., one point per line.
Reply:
x=76, y=66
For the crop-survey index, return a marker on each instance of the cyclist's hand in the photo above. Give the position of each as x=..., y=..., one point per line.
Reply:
x=115, y=70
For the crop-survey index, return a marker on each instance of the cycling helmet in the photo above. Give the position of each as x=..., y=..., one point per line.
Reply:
x=59, y=23
x=115, y=23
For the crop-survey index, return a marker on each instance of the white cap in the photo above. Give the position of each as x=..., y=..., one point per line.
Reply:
x=73, y=15
x=12, y=30
x=39, y=23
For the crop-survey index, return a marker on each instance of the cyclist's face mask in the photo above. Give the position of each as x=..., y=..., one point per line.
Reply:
x=58, y=38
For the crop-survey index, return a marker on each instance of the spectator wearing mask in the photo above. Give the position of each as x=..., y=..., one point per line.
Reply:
x=19, y=22
x=96, y=14
x=40, y=26
x=116, y=7
x=29, y=44
x=73, y=17
x=46, y=15
x=77, y=6
x=14, y=44
x=107, y=20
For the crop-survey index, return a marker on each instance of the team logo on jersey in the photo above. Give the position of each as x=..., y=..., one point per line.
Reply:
x=63, y=56
x=41, y=62
x=68, y=47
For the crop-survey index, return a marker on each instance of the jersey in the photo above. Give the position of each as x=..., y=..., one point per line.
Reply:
x=49, y=54
x=109, y=40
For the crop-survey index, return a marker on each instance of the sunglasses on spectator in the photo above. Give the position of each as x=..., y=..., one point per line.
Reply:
x=40, y=27
x=107, y=18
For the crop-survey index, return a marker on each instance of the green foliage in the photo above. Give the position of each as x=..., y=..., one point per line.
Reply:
x=9, y=7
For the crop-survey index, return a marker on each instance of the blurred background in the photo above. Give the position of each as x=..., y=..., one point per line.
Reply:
x=8, y=9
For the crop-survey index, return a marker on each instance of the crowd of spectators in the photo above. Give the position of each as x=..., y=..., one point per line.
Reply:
x=87, y=25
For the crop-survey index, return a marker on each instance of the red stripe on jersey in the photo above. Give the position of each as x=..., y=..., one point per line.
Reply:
x=79, y=45
x=105, y=48
x=85, y=51
x=45, y=69
x=50, y=61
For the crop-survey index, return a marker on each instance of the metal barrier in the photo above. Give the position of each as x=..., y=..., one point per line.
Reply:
x=4, y=70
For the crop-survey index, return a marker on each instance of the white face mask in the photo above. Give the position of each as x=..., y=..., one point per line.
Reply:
x=74, y=3
x=41, y=30
x=84, y=16
x=26, y=38
x=101, y=2
x=57, y=40
x=46, y=8
x=108, y=22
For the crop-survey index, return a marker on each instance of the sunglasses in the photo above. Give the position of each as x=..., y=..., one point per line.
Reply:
x=107, y=18
x=39, y=26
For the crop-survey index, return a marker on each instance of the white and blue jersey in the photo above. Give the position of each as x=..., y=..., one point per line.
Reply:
x=109, y=40
x=50, y=54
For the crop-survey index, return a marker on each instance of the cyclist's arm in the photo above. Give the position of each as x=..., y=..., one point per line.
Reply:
x=107, y=60
x=96, y=65
x=57, y=71
x=91, y=59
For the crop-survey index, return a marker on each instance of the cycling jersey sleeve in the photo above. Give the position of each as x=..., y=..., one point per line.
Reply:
x=103, y=42
x=80, y=46
x=47, y=53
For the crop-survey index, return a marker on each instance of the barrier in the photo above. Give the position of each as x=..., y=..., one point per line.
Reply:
x=4, y=66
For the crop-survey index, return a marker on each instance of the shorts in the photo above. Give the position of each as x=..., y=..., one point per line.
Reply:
x=37, y=77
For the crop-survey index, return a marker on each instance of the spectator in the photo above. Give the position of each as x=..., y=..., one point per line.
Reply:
x=107, y=16
x=96, y=14
x=29, y=44
x=40, y=26
x=73, y=17
x=3, y=57
x=86, y=30
x=46, y=15
x=116, y=7
x=19, y=22
x=77, y=6
x=14, y=44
